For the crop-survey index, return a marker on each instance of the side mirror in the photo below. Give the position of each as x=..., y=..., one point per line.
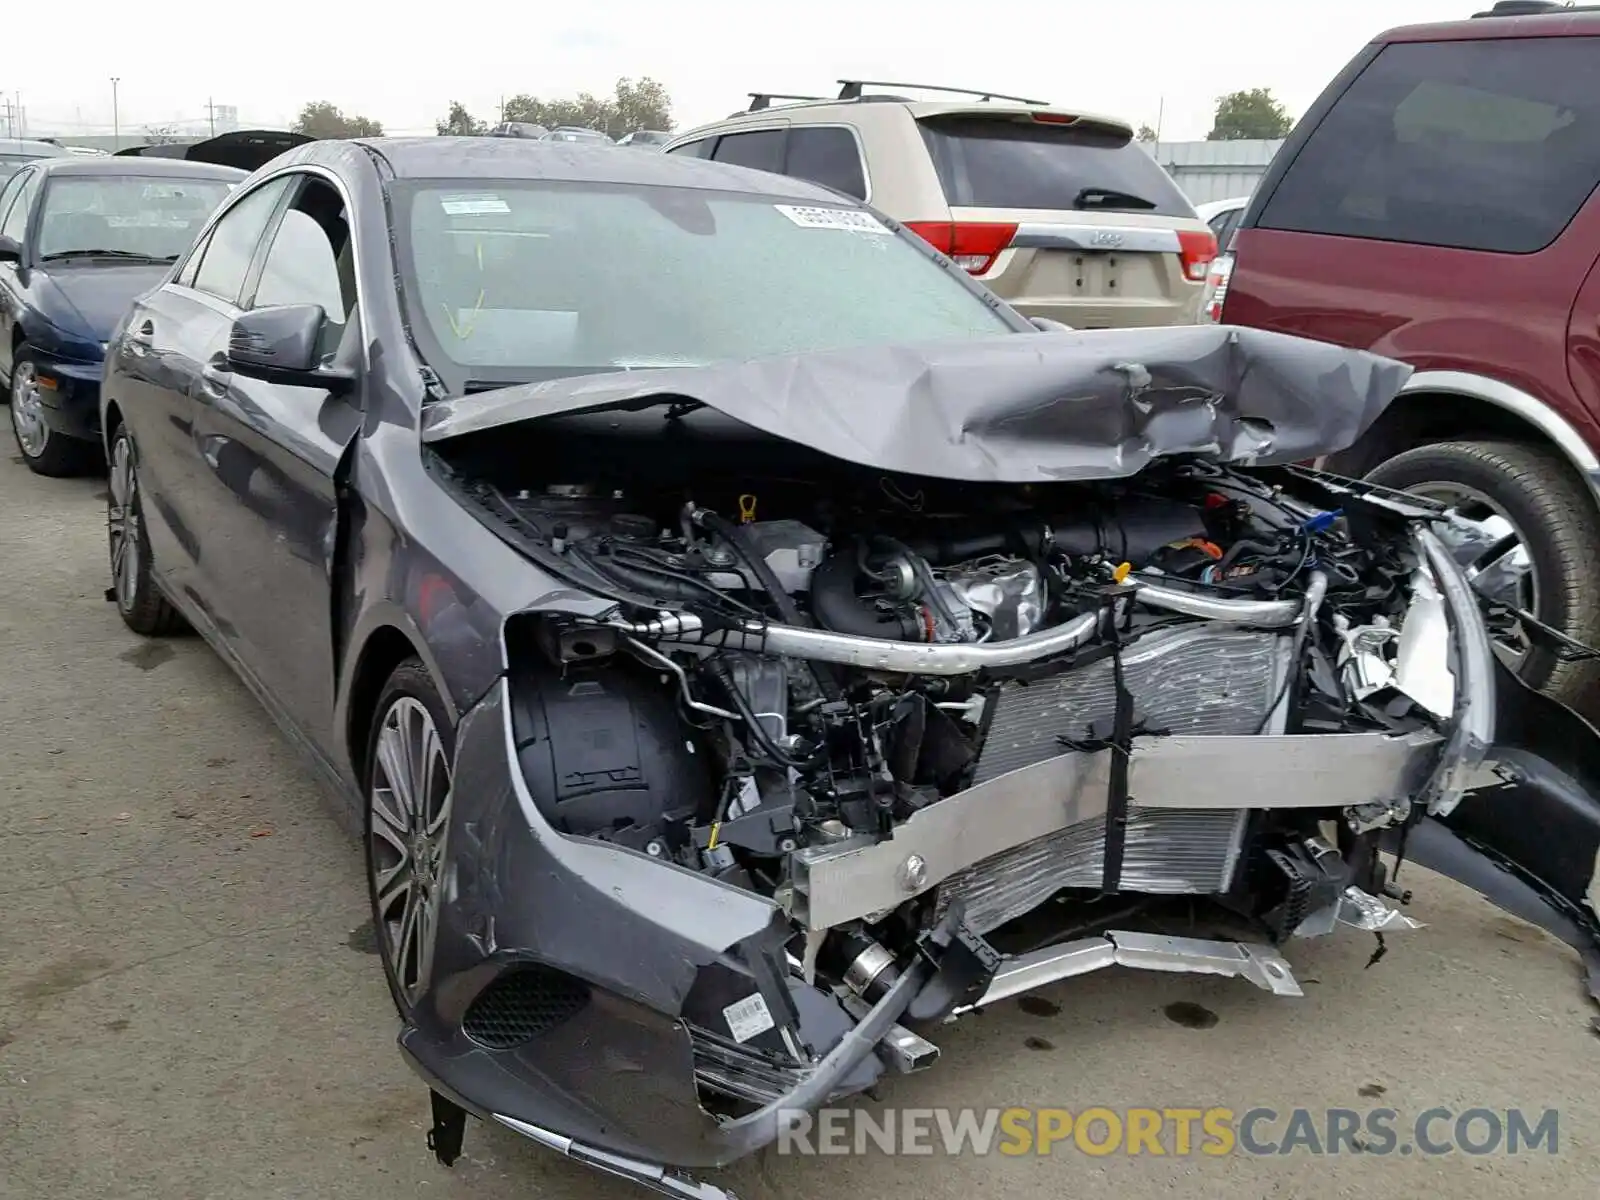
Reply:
x=279, y=345
x=1046, y=325
x=10, y=250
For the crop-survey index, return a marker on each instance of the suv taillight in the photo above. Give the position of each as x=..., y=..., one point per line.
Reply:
x=1217, y=286
x=973, y=245
x=1196, y=248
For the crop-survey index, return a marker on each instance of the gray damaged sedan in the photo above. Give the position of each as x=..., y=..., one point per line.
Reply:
x=746, y=645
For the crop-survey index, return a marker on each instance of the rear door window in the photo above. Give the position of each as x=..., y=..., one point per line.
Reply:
x=761, y=149
x=697, y=149
x=1223, y=225
x=826, y=154
x=1480, y=145
x=988, y=163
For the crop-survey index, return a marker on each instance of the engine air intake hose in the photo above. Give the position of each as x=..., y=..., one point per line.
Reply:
x=837, y=607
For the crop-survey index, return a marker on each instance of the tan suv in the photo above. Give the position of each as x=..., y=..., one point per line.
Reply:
x=1059, y=212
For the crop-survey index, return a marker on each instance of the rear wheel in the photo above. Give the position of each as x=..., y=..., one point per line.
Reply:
x=407, y=827
x=1535, y=547
x=139, y=602
x=44, y=450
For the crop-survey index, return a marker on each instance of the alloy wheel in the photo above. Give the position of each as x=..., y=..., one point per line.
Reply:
x=122, y=524
x=27, y=415
x=1493, y=553
x=409, y=802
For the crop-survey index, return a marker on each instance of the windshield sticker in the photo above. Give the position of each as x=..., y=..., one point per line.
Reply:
x=851, y=219
x=474, y=206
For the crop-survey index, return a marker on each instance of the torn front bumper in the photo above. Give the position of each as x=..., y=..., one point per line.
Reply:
x=579, y=990
x=562, y=968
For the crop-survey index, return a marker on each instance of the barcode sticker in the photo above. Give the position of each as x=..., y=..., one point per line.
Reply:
x=748, y=1017
x=851, y=219
x=474, y=206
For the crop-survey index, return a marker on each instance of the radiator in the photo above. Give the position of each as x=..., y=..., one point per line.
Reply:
x=1196, y=679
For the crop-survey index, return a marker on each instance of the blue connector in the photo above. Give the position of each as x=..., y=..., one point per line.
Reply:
x=1322, y=521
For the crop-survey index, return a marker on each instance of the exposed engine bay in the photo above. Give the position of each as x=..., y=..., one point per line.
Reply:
x=1036, y=710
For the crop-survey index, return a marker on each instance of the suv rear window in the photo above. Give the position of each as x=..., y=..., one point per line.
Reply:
x=1481, y=145
x=987, y=163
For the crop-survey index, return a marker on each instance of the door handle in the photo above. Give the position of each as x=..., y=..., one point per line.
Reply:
x=214, y=377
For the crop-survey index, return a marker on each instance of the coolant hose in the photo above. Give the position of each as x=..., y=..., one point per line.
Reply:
x=649, y=583
x=736, y=537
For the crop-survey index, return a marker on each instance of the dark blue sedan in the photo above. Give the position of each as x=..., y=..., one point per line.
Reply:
x=80, y=239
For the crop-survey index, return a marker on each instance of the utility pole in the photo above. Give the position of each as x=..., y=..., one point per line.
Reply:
x=502, y=110
x=211, y=113
x=116, y=118
x=11, y=130
x=19, y=118
x=1161, y=114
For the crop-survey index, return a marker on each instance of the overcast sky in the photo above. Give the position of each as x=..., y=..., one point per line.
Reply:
x=1122, y=57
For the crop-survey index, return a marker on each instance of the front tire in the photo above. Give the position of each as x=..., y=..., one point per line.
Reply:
x=407, y=827
x=44, y=450
x=139, y=602
x=1530, y=494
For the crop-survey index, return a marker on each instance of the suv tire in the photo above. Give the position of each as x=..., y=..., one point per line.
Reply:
x=1535, y=489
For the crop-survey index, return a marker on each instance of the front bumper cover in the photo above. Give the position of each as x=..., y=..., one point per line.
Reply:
x=72, y=405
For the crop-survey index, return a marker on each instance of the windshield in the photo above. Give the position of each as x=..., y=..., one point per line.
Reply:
x=151, y=217
x=533, y=280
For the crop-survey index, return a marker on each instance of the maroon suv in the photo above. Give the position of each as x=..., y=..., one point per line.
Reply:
x=1438, y=204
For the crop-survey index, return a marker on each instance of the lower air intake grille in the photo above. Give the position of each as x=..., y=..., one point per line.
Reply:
x=725, y=1068
x=522, y=1003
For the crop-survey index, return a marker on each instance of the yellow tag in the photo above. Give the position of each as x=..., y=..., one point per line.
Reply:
x=716, y=829
x=747, y=508
x=1120, y=575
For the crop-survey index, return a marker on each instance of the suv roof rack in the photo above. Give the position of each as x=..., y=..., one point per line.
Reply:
x=850, y=89
x=760, y=100
x=1529, y=8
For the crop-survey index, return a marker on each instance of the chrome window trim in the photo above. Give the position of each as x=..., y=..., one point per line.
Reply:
x=1041, y=235
x=236, y=197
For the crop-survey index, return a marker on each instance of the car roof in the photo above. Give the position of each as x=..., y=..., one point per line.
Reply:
x=1569, y=23
x=31, y=146
x=1212, y=207
x=143, y=168
x=465, y=158
x=865, y=110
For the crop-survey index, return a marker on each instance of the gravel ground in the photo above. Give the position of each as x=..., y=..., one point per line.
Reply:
x=190, y=1006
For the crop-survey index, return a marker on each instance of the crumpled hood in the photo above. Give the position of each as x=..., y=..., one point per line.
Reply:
x=1014, y=408
x=87, y=300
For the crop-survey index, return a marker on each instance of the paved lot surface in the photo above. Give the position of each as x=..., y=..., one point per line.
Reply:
x=189, y=1007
